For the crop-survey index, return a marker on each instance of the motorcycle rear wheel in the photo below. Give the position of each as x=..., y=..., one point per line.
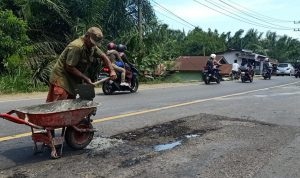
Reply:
x=107, y=88
x=134, y=86
x=206, y=80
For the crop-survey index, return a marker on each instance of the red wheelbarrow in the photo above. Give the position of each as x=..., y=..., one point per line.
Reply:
x=71, y=116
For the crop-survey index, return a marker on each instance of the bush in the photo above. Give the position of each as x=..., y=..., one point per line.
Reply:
x=19, y=82
x=14, y=40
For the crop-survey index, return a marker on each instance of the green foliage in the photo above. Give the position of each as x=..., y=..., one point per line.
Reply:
x=19, y=82
x=13, y=63
x=13, y=37
x=199, y=42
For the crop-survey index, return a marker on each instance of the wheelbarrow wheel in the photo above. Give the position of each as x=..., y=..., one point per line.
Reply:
x=79, y=140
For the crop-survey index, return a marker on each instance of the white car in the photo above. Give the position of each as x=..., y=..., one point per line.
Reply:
x=285, y=69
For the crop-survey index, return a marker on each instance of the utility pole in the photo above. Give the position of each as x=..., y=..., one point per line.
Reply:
x=140, y=19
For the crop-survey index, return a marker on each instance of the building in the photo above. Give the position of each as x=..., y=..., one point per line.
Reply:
x=246, y=56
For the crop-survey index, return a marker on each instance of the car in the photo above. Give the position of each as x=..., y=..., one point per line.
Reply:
x=285, y=69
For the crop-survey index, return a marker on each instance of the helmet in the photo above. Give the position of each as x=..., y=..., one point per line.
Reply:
x=266, y=59
x=111, y=46
x=121, y=48
x=213, y=56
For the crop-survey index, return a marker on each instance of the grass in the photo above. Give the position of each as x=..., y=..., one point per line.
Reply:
x=19, y=83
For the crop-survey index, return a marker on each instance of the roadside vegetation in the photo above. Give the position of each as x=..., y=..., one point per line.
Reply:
x=34, y=32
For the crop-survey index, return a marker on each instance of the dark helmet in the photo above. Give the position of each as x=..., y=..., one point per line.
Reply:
x=121, y=48
x=111, y=46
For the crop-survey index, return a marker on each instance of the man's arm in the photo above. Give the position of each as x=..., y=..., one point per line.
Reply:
x=217, y=62
x=73, y=70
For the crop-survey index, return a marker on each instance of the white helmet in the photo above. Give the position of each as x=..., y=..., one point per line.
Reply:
x=213, y=56
x=266, y=59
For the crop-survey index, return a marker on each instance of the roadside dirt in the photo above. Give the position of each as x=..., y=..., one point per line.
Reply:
x=197, y=146
x=6, y=97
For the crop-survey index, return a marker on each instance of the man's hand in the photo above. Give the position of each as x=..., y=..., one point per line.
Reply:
x=113, y=75
x=88, y=81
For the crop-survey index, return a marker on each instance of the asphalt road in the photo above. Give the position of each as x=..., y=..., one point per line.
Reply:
x=273, y=101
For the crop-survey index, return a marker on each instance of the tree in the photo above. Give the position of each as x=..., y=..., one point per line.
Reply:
x=236, y=42
x=13, y=38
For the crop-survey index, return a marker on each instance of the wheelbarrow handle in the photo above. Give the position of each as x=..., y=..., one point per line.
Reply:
x=17, y=120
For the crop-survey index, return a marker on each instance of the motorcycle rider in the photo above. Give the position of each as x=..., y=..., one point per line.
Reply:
x=267, y=66
x=297, y=70
x=235, y=68
x=117, y=64
x=248, y=68
x=212, y=65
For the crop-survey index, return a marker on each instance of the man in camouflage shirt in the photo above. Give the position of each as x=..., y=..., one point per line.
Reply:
x=73, y=63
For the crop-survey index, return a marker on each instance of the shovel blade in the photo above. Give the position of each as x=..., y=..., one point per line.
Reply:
x=86, y=91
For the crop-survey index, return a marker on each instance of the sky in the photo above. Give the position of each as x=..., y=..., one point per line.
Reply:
x=231, y=15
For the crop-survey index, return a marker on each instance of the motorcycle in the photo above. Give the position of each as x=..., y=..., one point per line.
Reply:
x=297, y=73
x=211, y=75
x=246, y=74
x=267, y=74
x=235, y=75
x=110, y=86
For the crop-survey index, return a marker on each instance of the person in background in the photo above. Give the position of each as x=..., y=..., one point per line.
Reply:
x=118, y=64
x=267, y=66
x=235, y=68
x=212, y=65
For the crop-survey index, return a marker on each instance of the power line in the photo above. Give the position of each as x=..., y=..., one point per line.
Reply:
x=239, y=18
x=256, y=23
x=169, y=17
x=173, y=13
x=252, y=16
x=261, y=15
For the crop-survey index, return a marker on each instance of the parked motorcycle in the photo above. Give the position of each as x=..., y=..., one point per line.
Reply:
x=246, y=74
x=110, y=86
x=211, y=75
x=267, y=74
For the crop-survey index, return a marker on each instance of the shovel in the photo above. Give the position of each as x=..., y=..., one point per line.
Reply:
x=87, y=91
x=100, y=81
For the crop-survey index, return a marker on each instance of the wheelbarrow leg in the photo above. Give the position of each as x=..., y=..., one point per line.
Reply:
x=37, y=138
x=53, y=149
x=63, y=132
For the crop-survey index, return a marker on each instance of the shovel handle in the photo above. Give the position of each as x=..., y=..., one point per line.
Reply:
x=100, y=81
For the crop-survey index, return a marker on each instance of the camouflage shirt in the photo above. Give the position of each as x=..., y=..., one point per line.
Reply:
x=75, y=54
